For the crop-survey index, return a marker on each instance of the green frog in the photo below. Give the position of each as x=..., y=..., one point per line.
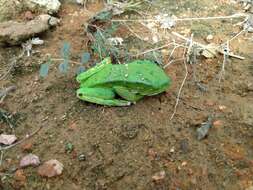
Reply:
x=121, y=84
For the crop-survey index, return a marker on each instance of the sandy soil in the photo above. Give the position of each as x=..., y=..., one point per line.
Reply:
x=125, y=147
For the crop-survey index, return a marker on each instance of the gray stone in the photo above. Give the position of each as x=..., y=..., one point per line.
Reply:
x=49, y=6
x=15, y=33
x=8, y=9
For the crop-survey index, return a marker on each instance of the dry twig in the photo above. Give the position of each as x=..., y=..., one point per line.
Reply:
x=204, y=47
x=22, y=140
x=12, y=65
x=186, y=75
x=240, y=15
x=74, y=62
x=225, y=57
x=5, y=92
x=158, y=48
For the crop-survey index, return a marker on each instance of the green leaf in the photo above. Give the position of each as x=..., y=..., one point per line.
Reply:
x=63, y=67
x=80, y=70
x=85, y=58
x=105, y=15
x=65, y=51
x=69, y=147
x=111, y=30
x=44, y=68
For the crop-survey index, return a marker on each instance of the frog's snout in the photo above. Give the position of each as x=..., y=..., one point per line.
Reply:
x=79, y=93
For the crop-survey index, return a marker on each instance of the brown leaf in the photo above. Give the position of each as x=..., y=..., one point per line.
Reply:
x=50, y=168
x=20, y=177
x=27, y=147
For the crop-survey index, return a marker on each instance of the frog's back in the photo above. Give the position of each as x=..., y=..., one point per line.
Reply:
x=148, y=73
x=136, y=73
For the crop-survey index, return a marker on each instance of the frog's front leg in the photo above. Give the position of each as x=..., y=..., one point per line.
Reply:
x=127, y=94
x=103, y=96
x=85, y=75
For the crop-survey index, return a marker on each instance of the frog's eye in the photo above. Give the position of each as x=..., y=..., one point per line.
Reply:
x=79, y=94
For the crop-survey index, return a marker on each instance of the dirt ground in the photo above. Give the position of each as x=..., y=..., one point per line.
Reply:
x=124, y=147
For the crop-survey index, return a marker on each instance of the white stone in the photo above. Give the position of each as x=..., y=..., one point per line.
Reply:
x=52, y=6
x=209, y=37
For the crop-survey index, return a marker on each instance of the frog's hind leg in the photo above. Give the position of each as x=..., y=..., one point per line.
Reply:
x=102, y=96
x=127, y=94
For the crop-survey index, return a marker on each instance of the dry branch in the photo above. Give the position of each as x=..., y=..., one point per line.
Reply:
x=204, y=47
x=21, y=141
x=240, y=15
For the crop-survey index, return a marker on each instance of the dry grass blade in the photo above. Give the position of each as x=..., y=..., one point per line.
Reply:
x=186, y=52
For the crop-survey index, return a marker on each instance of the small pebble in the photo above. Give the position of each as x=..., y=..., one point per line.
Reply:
x=81, y=157
x=152, y=154
x=217, y=123
x=172, y=150
x=28, y=15
x=158, y=177
x=184, y=145
x=209, y=37
x=29, y=160
x=222, y=107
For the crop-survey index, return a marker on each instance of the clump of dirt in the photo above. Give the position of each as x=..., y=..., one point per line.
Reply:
x=127, y=147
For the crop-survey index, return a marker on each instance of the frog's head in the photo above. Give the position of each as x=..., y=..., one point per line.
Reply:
x=80, y=93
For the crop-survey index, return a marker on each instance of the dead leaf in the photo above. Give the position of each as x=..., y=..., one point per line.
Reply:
x=7, y=139
x=27, y=147
x=50, y=168
x=20, y=177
